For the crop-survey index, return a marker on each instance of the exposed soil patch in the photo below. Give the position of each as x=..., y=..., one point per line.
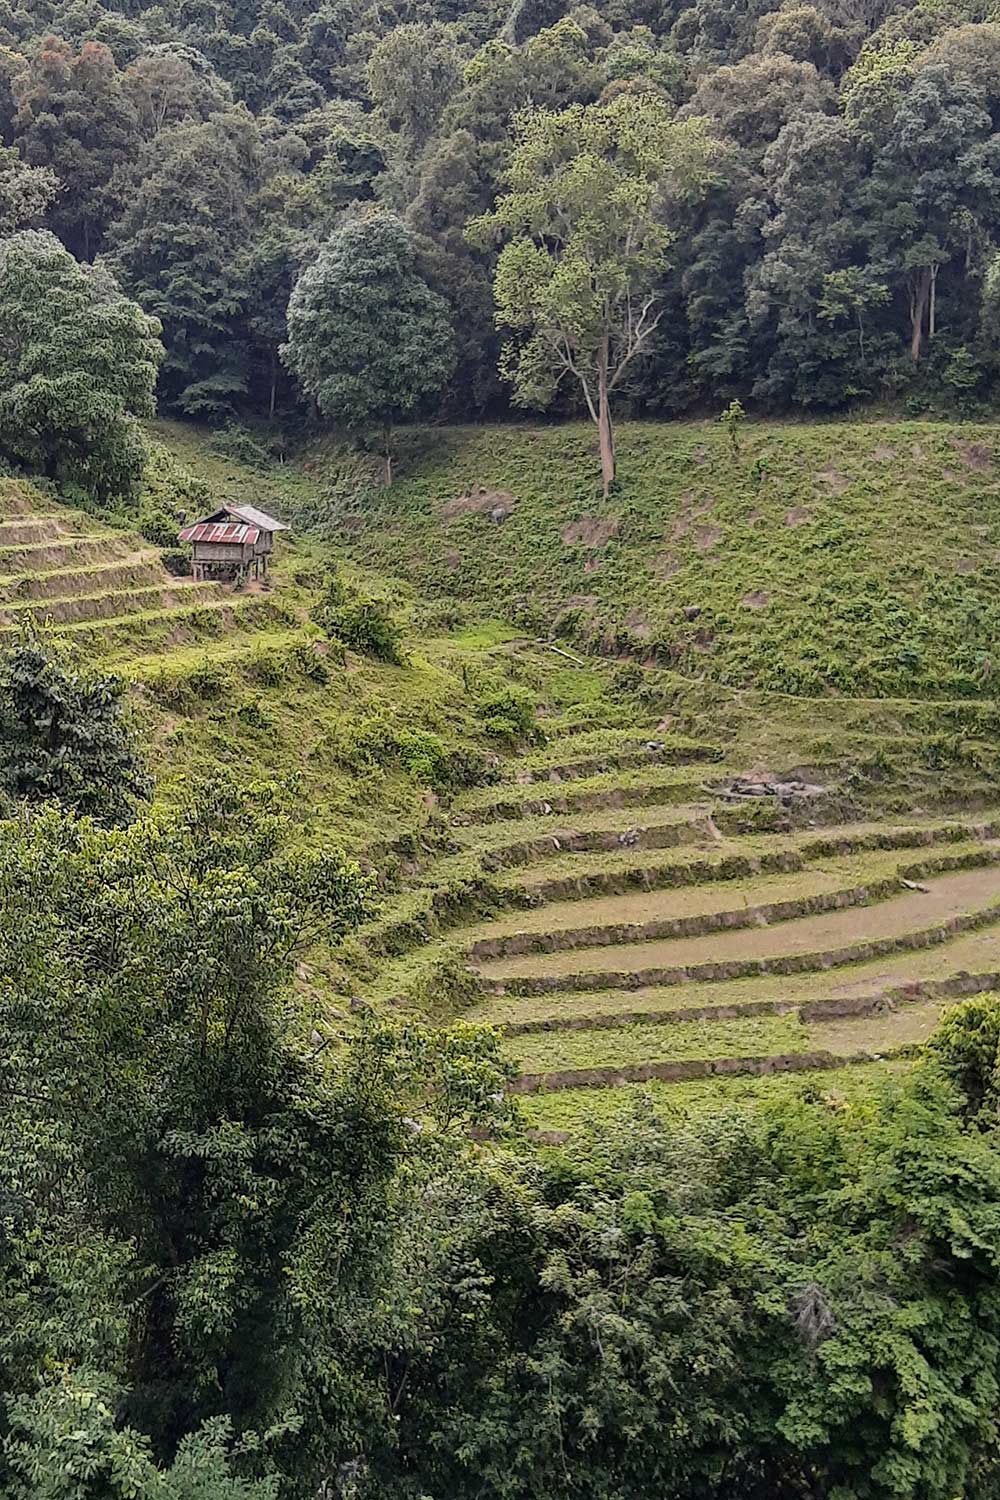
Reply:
x=917, y=453
x=797, y=516
x=638, y=625
x=976, y=456
x=707, y=538
x=965, y=565
x=835, y=483
x=666, y=565
x=756, y=599
x=884, y=453
x=590, y=531
x=689, y=514
x=480, y=502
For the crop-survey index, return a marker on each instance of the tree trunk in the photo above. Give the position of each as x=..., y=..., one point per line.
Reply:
x=387, y=450
x=932, y=316
x=918, y=308
x=605, y=431
x=274, y=385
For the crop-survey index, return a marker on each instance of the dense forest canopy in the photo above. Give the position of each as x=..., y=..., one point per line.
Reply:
x=842, y=244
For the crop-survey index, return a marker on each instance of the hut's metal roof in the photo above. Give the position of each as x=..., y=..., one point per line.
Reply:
x=256, y=517
x=237, y=532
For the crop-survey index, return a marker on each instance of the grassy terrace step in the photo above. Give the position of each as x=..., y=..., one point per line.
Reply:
x=650, y=785
x=690, y=911
x=590, y=739
x=581, y=877
x=39, y=556
x=26, y=589
x=36, y=528
x=913, y=919
x=117, y=603
x=452, y=889
x=849, y=989
x=227, y=651
x=956, y=986
x=168, y=627
x=696, y=1049
x=627, y=755
x=553, y=1117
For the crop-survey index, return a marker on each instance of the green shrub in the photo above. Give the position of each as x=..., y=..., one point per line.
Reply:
x=365, y=625
x=253, y=712
x=158, y=527
x=507, y=713
x=177, y=561
x=236, y=442
x=266, y=667
x=207, y=678
x=307, y=660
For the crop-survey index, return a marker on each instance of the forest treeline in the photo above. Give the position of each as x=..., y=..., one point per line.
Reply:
x=245, y=1256
x=841, y=244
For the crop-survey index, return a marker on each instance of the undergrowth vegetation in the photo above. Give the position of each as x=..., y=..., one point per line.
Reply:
x=856, y=559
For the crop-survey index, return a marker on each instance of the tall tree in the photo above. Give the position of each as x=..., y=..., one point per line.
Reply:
x=413, y=73
x=587, y=241
x=367, y=337
x=933, y=189
x=65, y=735
x=78, y=365
x=181, y=248
x=74, y=117
x=25, y=192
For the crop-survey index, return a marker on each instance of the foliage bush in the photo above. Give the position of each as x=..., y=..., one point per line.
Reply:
x=237, y=442
x=177, y=560
x=362, y=624
x=65, y=734
x=507, y=713
x=158, y=527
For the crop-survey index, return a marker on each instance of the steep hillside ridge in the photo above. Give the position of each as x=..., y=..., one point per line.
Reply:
x=852, y=558
x=693, y=875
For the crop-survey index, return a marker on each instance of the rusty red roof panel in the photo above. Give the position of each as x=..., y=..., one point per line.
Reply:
x=221, y=531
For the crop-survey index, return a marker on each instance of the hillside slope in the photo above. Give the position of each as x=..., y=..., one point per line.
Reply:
x=627, y=893
x=857, y=558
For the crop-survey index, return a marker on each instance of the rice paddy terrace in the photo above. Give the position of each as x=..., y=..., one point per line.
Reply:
x=106, y=590
x=656, y=917
x=816, y=604
x=700, y=880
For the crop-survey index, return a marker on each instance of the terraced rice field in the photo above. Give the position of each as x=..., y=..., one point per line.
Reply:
x=644, y=927
x=106, y=590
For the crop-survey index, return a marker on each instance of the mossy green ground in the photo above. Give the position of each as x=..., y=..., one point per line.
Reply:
x=849, y=557
x=826, y=599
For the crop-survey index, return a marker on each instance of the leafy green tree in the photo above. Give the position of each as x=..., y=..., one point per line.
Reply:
x=200, y=1210
x=181, y=248
x=74, y=117
x=413, y=73
x=586, y=243
x=65, y=734
x=934, y=188
x=25, y=192
x=751, y=101
x=168, y=85
x=368, y=339
x=78, y=364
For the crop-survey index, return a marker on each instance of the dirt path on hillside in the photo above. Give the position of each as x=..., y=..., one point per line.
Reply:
x=946, y=896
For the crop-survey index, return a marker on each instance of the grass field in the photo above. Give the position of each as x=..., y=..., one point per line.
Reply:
x=823, y=607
